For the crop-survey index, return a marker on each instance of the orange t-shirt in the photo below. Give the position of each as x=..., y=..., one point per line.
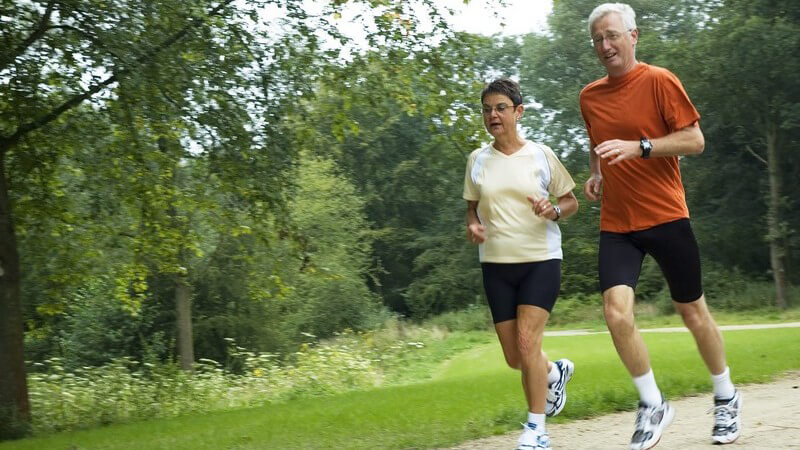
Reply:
x=647, y=101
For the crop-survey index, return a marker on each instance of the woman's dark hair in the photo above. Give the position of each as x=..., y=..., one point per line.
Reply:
x=504, y=86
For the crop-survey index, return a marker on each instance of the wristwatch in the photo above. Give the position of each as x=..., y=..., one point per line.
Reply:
x=646, y=147
x=557, y=209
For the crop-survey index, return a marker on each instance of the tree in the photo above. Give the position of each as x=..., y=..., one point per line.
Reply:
x=403, y=124
x=49, y=50
x=70, y=58
x=763, y=116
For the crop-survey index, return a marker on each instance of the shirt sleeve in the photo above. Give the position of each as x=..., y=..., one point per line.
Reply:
x=676, y=109
x=592, y=143
x=471, y=191
x=561, y=182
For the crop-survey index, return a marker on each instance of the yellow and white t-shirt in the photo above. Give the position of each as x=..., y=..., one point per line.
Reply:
x=500, y=184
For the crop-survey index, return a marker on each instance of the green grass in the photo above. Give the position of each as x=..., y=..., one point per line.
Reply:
x=471, y=395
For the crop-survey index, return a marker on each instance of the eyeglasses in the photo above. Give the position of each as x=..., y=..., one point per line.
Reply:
x=500, y=108
x=611, y=36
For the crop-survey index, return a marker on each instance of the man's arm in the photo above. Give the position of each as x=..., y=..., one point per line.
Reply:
x=686, y=141
x=594, y=185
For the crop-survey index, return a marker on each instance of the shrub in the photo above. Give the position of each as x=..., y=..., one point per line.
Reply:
x=125, y=390
x=475, y=317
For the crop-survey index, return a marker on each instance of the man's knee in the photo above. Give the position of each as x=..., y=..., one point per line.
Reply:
x=694, y=314
x=618, y=307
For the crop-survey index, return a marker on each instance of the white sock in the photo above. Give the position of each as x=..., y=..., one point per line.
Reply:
x=649, y=393
x=723, y=386
x=536, y=419
x=553, y=375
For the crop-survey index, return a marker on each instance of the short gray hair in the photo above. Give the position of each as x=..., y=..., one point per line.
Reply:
x=623, y=9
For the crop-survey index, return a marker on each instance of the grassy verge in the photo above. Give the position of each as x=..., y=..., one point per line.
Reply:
x=469, y=396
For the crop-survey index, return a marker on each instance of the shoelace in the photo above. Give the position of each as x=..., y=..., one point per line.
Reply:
x=643, y=415
x=722, y=414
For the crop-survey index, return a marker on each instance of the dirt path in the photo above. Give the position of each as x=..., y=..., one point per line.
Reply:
x=770, y=420
x=770, y=417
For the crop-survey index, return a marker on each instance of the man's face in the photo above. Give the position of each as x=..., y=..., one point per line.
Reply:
x=614, y=44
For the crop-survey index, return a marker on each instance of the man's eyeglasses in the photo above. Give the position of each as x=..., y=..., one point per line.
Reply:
x=500, y=108
x=611, y=36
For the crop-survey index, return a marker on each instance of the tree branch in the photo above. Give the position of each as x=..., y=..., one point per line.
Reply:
x=88, y=36
x=37, y=33
x=6, y=142
x=758, y=157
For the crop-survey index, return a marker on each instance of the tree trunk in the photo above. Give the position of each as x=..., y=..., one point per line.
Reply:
x=183, y=308
x=775, y=234
x=15, y=414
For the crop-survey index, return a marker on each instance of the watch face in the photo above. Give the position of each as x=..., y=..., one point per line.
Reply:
x=646, y=146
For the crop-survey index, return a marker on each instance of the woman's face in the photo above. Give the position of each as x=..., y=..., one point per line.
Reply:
x=500, y=115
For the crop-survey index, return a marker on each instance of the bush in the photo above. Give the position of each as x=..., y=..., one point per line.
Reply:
x=577, y=308
x=475, y=317
x=127, y=390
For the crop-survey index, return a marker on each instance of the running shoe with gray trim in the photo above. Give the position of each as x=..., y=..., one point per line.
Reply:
x=557, y=391
x=650, y=423
x=727, y=419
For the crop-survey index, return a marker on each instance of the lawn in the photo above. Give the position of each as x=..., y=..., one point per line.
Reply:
x=470, y=395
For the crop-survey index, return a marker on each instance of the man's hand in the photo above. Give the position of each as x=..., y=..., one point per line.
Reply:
x=616, y=150
x=476, y=233
x=593, y=187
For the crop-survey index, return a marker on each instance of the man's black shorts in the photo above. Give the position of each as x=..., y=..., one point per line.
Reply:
x=671, y=244
x=513, y=284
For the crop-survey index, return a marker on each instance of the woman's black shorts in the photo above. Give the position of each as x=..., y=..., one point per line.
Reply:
x=672, y=245
x=510, y=285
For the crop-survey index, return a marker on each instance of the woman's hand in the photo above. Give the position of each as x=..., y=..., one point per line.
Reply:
x=543, y=208
x=476, y=233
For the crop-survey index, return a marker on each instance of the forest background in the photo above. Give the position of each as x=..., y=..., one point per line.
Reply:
x=176, y=177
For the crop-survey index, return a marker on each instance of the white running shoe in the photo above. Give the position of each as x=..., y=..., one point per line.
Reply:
x=727, y=419
x=533, y=439
x=557, y=391
x=650, y=423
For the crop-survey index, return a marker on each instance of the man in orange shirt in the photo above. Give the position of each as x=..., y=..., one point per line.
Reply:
x=640, y=120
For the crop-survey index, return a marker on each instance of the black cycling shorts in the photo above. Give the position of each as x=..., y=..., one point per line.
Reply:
x=509, y=285
x=672, y=245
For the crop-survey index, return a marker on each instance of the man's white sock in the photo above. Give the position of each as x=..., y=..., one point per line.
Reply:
x=649, y=393
x=723, y=386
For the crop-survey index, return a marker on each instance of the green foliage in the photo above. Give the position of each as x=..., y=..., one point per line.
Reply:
x=125, y=389
x=577, y=308
x=475, y=317
x=329, y=291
